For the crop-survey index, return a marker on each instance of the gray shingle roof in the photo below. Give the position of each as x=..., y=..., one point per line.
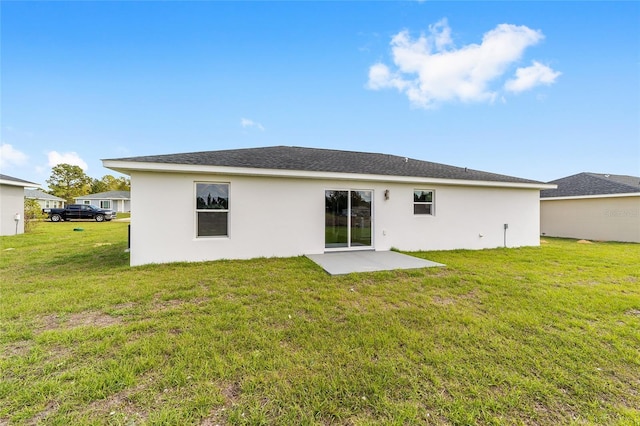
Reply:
x=592, y=184
x=40, y=195
x=109, y=195
x=325, y=160
x=20, y=182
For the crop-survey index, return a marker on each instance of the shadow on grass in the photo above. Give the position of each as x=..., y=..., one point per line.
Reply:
x=99, y=258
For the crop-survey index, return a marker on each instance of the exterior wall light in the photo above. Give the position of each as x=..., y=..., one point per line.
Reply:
x=386, y=194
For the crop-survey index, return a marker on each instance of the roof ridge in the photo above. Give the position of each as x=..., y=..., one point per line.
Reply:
x=327, y=160
x=592, y=184
x=604, y=177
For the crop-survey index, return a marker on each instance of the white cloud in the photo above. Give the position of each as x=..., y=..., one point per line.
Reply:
x=380, y=77
x=72, y=158
x=430, y=69
x=11, y=156
x=530, y=77
x=245, y=122
x=441, y=34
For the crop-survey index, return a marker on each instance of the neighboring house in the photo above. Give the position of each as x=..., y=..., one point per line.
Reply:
x=289, y=201
x=592, y=206
x=46, y=201
x=119, y=201
x=12, y=204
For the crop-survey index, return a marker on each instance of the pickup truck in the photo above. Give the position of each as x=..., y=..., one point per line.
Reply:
x=80, y=211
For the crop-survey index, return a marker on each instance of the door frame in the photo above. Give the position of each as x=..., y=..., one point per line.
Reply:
x=349, y=247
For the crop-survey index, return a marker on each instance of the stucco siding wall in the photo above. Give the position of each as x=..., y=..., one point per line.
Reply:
x=285, y=217
x=601, y=219
x=11, y=202
x=465, y=217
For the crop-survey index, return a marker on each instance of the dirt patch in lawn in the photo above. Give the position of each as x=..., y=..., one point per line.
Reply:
x=81, y=319
x=217, y=416
x=121, y=406
x=584, y=242
x=450, y=300
x=231, y=392
x=443, y=301
x=41, y=417
x=20, y=348
x=160, y=305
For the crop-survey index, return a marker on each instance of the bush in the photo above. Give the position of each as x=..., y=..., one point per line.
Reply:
x=32, y=214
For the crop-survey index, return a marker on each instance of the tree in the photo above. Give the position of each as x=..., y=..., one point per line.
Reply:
x=32, y=214
x=110, y=183
x=68, y=181
x=98, y=185
x=122, y=183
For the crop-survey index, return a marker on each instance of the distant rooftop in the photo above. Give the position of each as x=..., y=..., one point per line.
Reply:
x=38, y=194
x=592, y=184
x=109, y=195
x=325, y=160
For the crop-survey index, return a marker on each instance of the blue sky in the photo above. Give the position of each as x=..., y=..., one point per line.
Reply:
x=539, y=90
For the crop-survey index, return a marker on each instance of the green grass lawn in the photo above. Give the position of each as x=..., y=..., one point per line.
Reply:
x=546, y=335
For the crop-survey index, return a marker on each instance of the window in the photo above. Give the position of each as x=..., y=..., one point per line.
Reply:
x=87, y=202
x=423, y=201
x=105, y=204
x=212, y=209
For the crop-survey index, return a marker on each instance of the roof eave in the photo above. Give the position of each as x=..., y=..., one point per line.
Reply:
x=100, y=198
x=587, y=197
x=21, y=184
x=126, y=167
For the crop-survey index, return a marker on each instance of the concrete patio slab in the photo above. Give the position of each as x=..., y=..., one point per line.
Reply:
x=346, y=262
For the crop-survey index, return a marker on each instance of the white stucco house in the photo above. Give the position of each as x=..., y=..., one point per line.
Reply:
x=12, y=204
x=592, y=206
x=118, y=201
x=288, y=201
x=46, y=201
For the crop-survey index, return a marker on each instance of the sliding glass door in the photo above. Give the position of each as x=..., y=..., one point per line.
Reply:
x=360, y=215
x=348, y=219
x=336, y=213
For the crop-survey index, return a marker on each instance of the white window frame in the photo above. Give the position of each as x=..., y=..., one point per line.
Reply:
x=349, y=247
x=105, y=201
x=211, y=211
x=431, y=203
